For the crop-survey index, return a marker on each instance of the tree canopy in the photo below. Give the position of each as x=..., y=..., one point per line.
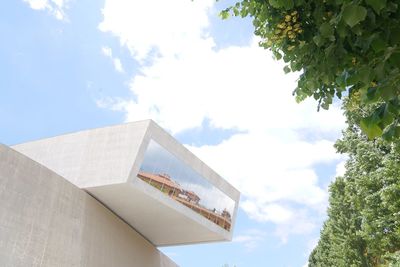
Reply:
x=340, y=47
x=363, y=225
x=349, y=49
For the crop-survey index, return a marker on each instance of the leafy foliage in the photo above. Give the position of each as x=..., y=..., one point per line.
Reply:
x=341, y=47
x=363, y=225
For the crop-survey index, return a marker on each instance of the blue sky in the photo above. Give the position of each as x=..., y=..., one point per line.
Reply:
x=68, y=65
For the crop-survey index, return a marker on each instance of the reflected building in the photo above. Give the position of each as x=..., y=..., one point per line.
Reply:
x=190, y=199
x=140, y=174
x=172, y=176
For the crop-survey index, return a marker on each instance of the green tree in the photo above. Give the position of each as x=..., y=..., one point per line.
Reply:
x=340, y=243
x=341, y=47
x=363, y=225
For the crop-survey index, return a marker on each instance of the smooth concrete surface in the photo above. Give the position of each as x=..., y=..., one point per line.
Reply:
x=92, y=157
x=47, y=221
x=106, y=161
x=158, y=217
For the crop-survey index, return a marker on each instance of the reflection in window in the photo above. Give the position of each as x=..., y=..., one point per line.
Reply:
x=167, y=173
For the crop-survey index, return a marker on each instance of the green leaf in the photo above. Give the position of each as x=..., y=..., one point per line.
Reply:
x=341, y=81
x=389, y=132
x=392, y=7
x=395, y=35
x=224, y=14
x=277, y=55
x=244, y=12
x=377, y=5
x=395, y=59
x=397, y=132
x=318, y=40
x=371, y=95
x=325, y=106
x=275, y=3
x=358, y=30
x=352, y=79
x=386, y=117
x=386, y=92
x=364, y=75
x=393, y=107
x=353, y=14
x=379, y=70
x=378, y=44
x=287, y=4
x=286, y=69
x=370, y=127
x=341, y=30
x=235, y=11
x=326, y=29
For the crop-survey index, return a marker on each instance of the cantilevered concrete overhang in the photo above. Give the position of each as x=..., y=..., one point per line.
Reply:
x=147, y=178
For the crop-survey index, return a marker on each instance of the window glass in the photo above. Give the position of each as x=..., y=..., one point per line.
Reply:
x=164, y=171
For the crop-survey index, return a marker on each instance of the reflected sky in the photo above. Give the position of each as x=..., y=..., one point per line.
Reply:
x=158, y=160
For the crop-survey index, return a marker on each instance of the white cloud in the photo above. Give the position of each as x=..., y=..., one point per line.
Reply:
x=107, y=51
x=341, y=168
x=118, y=65
x=302, y=223
x=250, y=239
x=185, y=79
x=236, y=87
x=269, y=212
x=271, y=170
x=169, y=27
x=55, y=7
x=37, y=4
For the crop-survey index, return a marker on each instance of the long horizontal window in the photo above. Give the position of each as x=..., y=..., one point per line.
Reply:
x=170, y=175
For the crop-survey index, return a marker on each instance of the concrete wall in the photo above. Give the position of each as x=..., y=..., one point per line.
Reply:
x=47, y=221
x=92, y=157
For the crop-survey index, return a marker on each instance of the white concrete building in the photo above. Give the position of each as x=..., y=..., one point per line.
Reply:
x=108, y=197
